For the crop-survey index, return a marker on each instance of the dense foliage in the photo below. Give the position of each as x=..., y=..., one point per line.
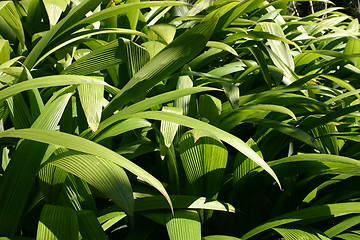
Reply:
x=212, y=120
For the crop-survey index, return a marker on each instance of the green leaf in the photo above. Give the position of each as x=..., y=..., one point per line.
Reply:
x=204, y=160
x=181, y=201
x=9, y=13
x=280, y=52
x=289, y=130
x=48, y=81
x=242, y=164
x=51, y=182
x=222, y=46
x=105, y=56
x=183, y=102
x=316, y=213
x=4, y=51
x=92, y=99
x=294, y=233
x=106, y=176
x=172, y=57
x=89, y=226
x=25, y=163
x=165, y=31
x=123, y=9
x=54, y=9
x=148, y=103
x=169, y=129
x=222, y=135
x=184, y=225
x=77, y=13
x=220, y=237
x=209, y=107
x=122, y=127
x=343, y=226
x=58, y=223
x=85, y=146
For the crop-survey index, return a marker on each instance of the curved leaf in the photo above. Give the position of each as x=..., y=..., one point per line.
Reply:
x=48, y=81
x=222, y=135
x=106, y=176
x=316, y=213
x=85, y=146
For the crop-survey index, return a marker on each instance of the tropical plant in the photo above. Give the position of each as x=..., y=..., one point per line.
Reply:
x=169, y=119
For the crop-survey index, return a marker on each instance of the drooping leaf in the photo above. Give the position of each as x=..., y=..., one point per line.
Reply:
x=83, y=145
x=106, y=176
x=48, y=81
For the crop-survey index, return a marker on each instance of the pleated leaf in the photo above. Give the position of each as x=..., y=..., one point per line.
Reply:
x=123, y=9
x=294, y=234
x=316, y=213
x=51, y=182
x=204, y=160
x=113, y=53
x=220, y=134
x=289, y=130
x=91, y=98
x=184, y=225
x=353, y=47
x=107, y=177
x=76, y=193
x=48, y=81
x=83, y=145
x=242, y=164
x=148, y=103
x=77, y=13
x=169, y=129
x=89, y=226
x=349, y=236
x=57, y=223
x=25, y=164
x=172, y=57
x=184, y=102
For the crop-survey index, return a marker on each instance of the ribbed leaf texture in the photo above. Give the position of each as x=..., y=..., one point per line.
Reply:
x=169, y=129
x=184, y=225
x=107, y=177
x=204, y=159
x=89, y=226
x=91, y=97
x=57, y=223
x=298, y=234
